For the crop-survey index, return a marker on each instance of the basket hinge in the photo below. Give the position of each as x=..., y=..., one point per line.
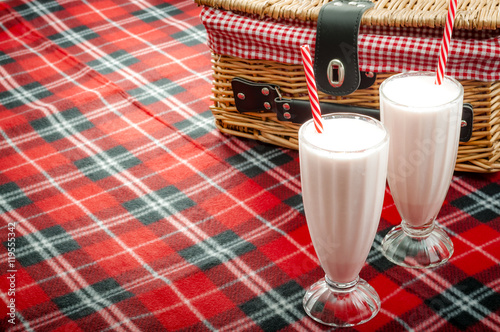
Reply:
x=336, y=52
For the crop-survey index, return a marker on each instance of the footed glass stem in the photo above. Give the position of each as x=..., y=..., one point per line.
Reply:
x=426, y=246
x=341, y=305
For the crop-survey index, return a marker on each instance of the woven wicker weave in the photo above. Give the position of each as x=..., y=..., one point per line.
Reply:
x=480, y=154
x=471, y=14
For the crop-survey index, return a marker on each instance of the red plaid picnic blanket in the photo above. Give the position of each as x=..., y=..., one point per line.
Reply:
x=130, y=212
x=473, y=55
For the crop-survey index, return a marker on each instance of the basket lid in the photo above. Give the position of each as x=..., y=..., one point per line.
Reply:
x=471, y=14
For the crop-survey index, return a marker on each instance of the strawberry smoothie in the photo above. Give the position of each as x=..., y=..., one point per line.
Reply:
x=343, y=174
x=424, y=143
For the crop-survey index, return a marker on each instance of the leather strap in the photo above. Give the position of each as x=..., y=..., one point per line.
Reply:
x=336, y=50
x=253, y=97
x=299, y=111
x=467, y=121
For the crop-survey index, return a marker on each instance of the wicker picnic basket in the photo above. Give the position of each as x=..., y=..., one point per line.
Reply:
x=480, y=154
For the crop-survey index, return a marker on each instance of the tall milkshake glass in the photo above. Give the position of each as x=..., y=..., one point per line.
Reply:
x=343, y=175
x=423, y=120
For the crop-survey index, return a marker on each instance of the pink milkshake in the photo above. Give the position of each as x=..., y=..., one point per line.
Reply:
x=423, y=120
x=343, y=175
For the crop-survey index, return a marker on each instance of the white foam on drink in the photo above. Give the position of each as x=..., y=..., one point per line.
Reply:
x=420, y=91
x=345, y=135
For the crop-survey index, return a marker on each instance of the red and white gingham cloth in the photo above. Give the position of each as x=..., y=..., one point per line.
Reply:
x=474, y=55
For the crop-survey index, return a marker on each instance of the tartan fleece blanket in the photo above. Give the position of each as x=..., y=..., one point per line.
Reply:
x=123, y=209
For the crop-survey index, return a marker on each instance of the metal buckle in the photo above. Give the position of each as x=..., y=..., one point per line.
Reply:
x=338, y=66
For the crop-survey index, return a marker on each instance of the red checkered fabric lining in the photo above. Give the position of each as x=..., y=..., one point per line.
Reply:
x=474, y=55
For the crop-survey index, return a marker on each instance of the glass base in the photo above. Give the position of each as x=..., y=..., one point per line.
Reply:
x=341, y=305
x=417, y=247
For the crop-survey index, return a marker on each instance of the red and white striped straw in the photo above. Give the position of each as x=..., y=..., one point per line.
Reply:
x=311, y=87
x=445, y=43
